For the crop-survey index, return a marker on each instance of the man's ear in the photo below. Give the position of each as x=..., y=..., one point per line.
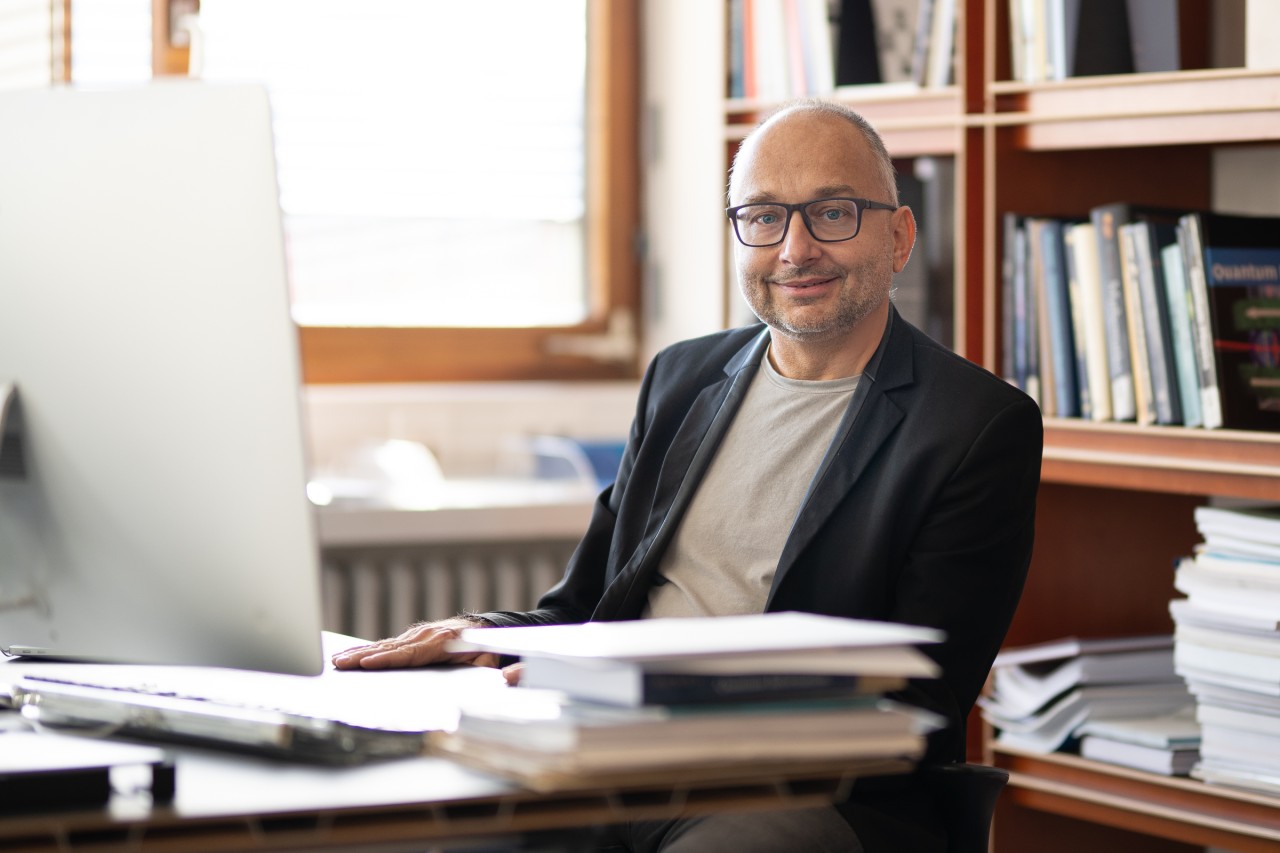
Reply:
x=904, y=237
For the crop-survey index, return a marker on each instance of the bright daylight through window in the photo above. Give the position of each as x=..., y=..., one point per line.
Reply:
x=431, y=153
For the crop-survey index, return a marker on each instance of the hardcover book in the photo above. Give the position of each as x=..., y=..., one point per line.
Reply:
x=1235, y=262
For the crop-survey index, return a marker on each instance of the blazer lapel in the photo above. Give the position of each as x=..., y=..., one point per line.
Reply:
x=685, y=464
x=868, y=421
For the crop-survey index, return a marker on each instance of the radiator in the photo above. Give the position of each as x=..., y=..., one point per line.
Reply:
x=376, y=592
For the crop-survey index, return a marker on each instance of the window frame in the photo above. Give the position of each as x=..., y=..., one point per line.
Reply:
x=606, y=345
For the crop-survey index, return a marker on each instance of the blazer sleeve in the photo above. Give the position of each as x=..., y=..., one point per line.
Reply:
x=966, y=566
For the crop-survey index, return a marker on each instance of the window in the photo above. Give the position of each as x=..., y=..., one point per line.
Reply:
x=458, y=179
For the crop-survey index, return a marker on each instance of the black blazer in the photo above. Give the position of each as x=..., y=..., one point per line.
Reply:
x=923, y=511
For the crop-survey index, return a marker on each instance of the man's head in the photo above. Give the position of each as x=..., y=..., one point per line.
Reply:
x=828, y=292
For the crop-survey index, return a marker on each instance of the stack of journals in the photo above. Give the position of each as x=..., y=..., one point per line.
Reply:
x=1042, y=695
x=696, y=698
x=1168, y=744
x=1227, y=644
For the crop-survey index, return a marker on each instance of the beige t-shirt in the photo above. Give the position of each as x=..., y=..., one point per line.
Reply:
x=722, y=558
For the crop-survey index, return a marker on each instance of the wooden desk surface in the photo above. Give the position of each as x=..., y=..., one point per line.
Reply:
x=235, y=802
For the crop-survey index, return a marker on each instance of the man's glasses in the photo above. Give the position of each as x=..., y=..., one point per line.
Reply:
x=829, y=220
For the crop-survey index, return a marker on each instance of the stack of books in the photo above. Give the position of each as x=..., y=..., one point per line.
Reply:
x=1168, y=744
x=1042, y=696
x=700, y=698
x=1227, y=644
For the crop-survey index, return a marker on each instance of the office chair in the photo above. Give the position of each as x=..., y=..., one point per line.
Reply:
x=967, y=795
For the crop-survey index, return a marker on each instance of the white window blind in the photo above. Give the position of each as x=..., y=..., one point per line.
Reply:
x=26, y=44
x=431, y=153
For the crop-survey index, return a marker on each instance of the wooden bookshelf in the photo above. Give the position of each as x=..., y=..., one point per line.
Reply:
x=1116, y=503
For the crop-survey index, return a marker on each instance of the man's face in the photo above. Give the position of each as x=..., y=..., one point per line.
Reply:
x=802, y=288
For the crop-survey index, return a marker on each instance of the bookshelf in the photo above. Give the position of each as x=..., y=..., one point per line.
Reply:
x=1116, y=500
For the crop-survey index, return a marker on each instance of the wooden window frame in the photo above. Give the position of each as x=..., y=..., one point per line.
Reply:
x=606, y=344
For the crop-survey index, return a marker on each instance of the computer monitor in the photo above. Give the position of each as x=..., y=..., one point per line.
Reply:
x=152, y=482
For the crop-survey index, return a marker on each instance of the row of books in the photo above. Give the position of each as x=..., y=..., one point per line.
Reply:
x=1146, y=314
x=1058, y=39
x=696, y=698
x=1227, y=644
x=1115, y=699
x=780, y=49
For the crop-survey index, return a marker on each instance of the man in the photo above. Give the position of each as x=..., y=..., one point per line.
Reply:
x=834, y=460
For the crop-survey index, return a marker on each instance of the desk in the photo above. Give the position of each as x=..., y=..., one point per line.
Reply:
x=231, y=802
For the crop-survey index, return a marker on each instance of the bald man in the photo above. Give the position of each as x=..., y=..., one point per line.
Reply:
x=831, y=459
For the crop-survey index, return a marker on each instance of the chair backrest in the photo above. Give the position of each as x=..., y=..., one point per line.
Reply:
x=966, y=795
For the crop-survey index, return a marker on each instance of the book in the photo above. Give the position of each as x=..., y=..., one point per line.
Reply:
x=1234, y=260
x=895, y=24
x=1187, y=612
x=1153, y=35
x=539, y=738
x=1143, y=392
x=1057, y=336
x=1075, y=302
x=1050, y=728
x=1261, y=523
x=53, y=771
x=1070, y=647
x=1107, y=219
x=940, y=61
x=1154, y=759
x=1082, y=242
x=754, y=643
x=1182, y=336
x=1178, y=730
x=1096, y=36
x=631, y=684
x=1021, y=690
x=1262, y=22
x=1148, y=239
x=1168, y=744
x=857, y=56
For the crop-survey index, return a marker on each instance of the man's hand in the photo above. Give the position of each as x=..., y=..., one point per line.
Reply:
x=418, y=646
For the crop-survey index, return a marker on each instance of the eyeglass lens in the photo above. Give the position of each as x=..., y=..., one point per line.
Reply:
x=828, y=219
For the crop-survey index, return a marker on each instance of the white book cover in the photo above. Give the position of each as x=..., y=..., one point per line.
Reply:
x=1187, y=612
x=1153, y=759
x=797, y=639
x=1083, y=244
x=1069, y=647
x=1022, y=690
x=1260, y=524
x=1178, y=730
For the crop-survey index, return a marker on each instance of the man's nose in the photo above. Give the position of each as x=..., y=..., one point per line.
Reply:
x=799, y=246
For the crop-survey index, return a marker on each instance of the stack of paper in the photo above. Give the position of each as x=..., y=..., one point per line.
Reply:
x=695, y=696
x=1042, y=695
x=1168, y=744
x=1227, y=644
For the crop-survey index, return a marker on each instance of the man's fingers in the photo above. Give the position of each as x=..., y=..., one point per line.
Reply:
x=417, y=646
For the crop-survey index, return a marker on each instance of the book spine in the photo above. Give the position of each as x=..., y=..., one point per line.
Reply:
x=1058, y=307
x=1119, y=364
x=1178, y=298
x=1155, y=319
x=1142, y=390
x=687, y=689
x=1086, y=246
x=1193, y=257
x=1074, y=236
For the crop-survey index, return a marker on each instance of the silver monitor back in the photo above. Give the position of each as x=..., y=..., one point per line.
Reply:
x=152, y=498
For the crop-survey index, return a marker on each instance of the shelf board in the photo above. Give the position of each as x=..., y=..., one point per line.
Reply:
x=1164, y=459
x=1178, y=108
x=914, y=122
x=1168, y=807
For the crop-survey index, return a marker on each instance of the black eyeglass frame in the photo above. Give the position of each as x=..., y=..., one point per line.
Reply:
x=859, y=204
